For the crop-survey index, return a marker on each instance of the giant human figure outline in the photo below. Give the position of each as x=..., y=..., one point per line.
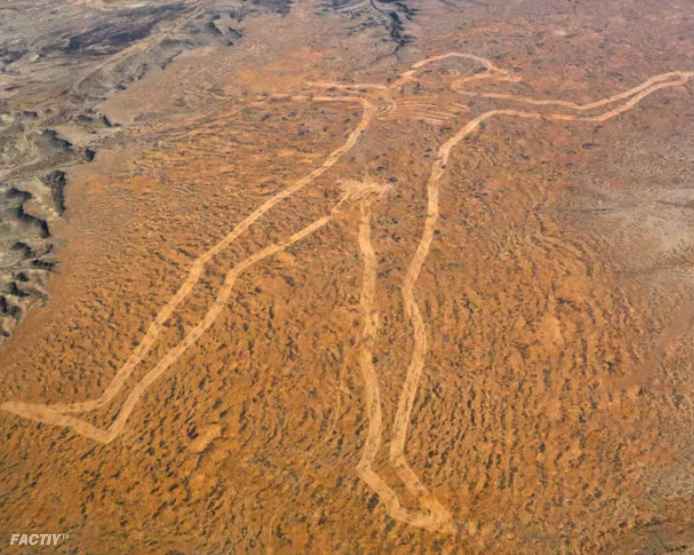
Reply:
x=376, y=100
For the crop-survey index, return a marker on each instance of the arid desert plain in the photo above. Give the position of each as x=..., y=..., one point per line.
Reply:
x=346, y=277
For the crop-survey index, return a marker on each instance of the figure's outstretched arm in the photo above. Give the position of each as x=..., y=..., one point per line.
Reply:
x=474, y=124
x=633, y=95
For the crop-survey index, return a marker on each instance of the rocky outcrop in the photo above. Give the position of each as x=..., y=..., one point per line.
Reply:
x=26, y=248
x=54, y=71
x=390, y=15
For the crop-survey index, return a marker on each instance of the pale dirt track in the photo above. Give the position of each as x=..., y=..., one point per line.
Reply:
x=433, y=515
x=198, y=267
x=49, y=415
x=415, y=369
x=56, y=413
x=438, y=518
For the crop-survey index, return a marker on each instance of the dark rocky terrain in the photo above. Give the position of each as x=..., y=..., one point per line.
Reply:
x=54, y=71
x=57, y=63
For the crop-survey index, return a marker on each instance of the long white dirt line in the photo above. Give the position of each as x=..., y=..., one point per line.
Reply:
x=432, y=516
x=47, y=413
x=433, y=521
x=198, y=267
x=370, y=319
x=420, y=349
x=681, y=75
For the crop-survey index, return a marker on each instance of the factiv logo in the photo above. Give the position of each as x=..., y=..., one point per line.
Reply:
x=37, y=540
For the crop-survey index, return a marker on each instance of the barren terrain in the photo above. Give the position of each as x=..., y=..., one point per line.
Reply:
x=347, y=277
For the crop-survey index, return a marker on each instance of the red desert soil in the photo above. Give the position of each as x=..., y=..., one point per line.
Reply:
x=439, y=303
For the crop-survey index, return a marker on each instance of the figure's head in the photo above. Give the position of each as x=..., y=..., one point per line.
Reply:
x=452, y=71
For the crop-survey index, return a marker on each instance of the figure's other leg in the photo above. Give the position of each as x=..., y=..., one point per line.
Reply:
x=47, y=413
x=197, y=269
x=407, y=397
x=416, y=366
x=431, y=519
x=372, y=392
x=421, y=345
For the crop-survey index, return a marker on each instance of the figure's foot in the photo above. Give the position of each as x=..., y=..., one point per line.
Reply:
x=434, y=517
x=425, y=498
x=47, y=415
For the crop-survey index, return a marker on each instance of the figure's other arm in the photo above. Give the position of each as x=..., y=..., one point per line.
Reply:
x=634, y=96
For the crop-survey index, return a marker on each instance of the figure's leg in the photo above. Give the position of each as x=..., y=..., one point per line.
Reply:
x=421, y=346
x=406, y=401
x=198, y=267
x=416, y=366
x=437, y=512
x=372, y=390
x=432, y=519
x=49, y=415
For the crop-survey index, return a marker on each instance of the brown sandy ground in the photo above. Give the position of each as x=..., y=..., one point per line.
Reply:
x=555, y=408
